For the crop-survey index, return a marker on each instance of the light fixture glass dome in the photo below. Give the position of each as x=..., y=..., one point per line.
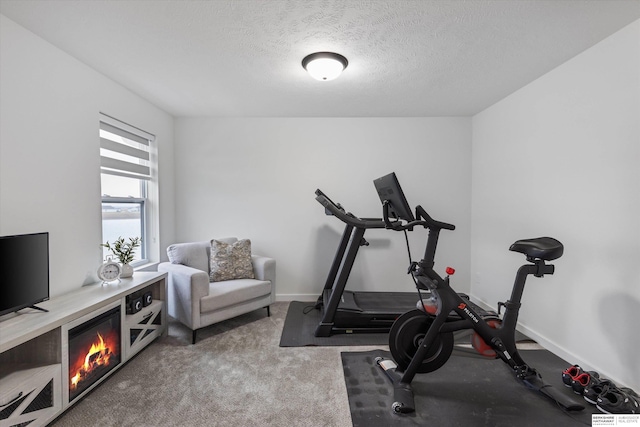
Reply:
x=324, y=66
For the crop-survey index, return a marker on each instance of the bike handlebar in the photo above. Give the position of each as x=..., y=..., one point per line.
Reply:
x=434, y=227
x=426, y=221
x=432, y=223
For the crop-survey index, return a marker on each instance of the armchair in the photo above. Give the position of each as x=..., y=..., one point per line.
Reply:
x=196, y=301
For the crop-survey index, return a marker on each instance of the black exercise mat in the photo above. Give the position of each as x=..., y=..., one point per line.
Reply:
x=301, y=322
x=467, y=391
x=300, y=326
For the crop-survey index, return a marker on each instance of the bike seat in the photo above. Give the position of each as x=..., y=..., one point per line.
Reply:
x=544, y=248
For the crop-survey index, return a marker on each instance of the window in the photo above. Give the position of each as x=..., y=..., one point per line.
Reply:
x=125, y=171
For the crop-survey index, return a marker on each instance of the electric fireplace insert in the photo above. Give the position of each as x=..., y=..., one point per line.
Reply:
x=94, y=350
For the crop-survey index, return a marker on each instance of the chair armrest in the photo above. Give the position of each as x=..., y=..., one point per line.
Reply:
x=189, y=278
x=187, y=285
x=264, y=268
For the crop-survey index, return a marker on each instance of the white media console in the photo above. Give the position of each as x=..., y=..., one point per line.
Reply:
x=34, y=345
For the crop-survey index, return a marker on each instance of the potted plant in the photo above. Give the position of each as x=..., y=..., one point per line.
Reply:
x=123, y=251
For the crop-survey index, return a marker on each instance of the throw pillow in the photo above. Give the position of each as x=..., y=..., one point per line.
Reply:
x=231, y=260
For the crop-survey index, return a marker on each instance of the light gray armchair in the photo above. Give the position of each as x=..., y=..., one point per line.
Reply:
x=196, y=301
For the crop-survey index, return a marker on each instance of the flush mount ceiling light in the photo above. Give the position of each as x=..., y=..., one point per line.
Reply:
x=324, y=65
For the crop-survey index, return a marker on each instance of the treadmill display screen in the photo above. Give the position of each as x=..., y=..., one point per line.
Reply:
x=389, y=190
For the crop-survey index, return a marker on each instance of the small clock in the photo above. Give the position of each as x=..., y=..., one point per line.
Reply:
x=109, y=271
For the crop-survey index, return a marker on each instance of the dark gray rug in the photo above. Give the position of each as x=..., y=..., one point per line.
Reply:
x=466, y=391
x=300, y=326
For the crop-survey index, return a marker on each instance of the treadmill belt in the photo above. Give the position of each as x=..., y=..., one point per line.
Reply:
x=386, y=302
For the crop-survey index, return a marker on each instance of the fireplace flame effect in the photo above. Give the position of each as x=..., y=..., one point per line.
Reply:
x=98, y=355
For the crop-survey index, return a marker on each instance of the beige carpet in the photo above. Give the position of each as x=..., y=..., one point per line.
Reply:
x=235, y=375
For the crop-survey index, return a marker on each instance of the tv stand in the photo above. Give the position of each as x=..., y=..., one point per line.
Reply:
x=35, y=307
x=34, y=349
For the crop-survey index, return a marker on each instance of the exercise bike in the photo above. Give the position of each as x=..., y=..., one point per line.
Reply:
x=422, y=340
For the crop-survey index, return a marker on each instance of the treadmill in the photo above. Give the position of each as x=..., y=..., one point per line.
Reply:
x=345, y=311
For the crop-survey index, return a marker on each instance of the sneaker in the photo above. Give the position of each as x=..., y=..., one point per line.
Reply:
x=570, y=373
x=616, y=401
x=598, y=386
x=595, y=388
x=581, y=381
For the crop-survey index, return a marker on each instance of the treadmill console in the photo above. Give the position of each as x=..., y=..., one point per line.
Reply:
x=391, y=194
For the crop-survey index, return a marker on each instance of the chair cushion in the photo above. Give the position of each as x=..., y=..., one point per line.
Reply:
x=193, y=254
x=231, y=260
x=232, y=292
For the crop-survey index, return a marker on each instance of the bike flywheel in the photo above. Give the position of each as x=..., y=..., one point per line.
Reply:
x=406, y=335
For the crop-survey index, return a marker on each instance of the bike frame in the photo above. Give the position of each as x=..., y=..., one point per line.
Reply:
x=500, y=339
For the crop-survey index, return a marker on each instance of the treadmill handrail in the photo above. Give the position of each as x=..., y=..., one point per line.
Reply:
x=347, y=217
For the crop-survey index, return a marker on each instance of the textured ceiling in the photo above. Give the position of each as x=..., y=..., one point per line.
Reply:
x=242, y=57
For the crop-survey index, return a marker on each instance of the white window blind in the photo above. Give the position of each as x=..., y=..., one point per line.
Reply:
x=124, y=150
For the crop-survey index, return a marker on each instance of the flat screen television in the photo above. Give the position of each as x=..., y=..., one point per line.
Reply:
x=24, y=271
x=389, y=191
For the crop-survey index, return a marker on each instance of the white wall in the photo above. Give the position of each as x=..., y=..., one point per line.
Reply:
x=256, y=178
x=49, y=152
x=561, y=157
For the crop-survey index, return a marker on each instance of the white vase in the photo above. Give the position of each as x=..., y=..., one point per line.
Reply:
x=127, y=271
